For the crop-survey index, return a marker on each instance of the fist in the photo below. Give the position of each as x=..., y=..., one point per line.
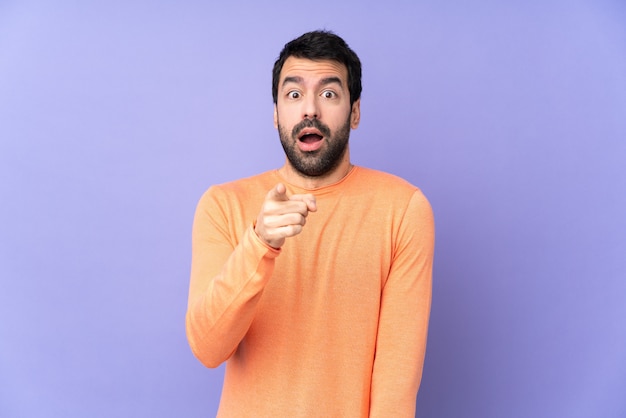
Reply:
x=283, y=216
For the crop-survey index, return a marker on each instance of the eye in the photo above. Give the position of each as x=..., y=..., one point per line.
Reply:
x=329, y=94
x=293, y=94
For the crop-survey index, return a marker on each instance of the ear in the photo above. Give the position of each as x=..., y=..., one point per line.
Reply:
x=355, y=116
x=275, y=116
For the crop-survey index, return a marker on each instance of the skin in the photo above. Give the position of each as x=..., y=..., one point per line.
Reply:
x=306, y=90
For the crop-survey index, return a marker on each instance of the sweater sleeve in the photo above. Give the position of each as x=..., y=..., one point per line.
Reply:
x=227, y=280
x=404, y=315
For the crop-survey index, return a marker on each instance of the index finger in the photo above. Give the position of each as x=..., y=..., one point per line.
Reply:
x=278, y=193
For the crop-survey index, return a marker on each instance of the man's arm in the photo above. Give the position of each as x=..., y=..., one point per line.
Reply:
x=227, y=280
x=404, y=315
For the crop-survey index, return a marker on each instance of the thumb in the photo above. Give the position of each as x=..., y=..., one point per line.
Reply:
x=278, y=193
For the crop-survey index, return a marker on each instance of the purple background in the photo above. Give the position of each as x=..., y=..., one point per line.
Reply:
x=116, y=116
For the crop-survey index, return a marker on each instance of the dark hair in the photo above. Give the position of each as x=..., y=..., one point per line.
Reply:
x=321, y=45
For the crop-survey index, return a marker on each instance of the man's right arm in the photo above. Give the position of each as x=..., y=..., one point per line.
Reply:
x=227, y=280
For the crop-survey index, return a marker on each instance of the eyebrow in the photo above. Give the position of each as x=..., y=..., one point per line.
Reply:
x=323, y=81
x=330, y=80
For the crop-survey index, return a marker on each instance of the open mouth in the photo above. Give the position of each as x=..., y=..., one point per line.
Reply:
x=309, y=135
x=310, y=139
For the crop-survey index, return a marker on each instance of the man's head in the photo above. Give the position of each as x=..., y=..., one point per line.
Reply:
x=321, y=46
x=316, y=89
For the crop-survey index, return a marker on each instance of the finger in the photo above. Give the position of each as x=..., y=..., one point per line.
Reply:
x=274, y=207
x=289, y=230
x=279, y=221
x=278, y=193
x=276, y=236
x=309, y=199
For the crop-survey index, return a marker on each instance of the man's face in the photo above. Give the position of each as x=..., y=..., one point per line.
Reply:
x=313, y=115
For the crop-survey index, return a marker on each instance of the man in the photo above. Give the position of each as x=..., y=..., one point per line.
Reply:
x=313, y=281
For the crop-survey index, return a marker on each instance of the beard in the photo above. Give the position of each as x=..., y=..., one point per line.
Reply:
x=319, y=162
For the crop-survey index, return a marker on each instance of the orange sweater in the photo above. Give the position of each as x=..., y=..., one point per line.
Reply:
x=334, y=323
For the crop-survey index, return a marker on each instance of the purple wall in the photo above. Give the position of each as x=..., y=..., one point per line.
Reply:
x=116, y=116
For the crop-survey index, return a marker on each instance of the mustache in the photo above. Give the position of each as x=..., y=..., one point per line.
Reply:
x=311, y=123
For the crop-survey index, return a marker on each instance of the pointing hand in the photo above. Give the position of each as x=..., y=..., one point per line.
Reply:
x=283, y=216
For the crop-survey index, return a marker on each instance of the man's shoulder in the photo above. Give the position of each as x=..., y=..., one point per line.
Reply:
x=387, y=193
x=244, y=189
x=382, y=181
x=386, y=189
x=246, y=184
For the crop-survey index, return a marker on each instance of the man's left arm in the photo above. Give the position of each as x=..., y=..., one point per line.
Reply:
x=404, y=315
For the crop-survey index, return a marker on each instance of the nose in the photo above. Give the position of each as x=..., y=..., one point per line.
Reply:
x=310, y=108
